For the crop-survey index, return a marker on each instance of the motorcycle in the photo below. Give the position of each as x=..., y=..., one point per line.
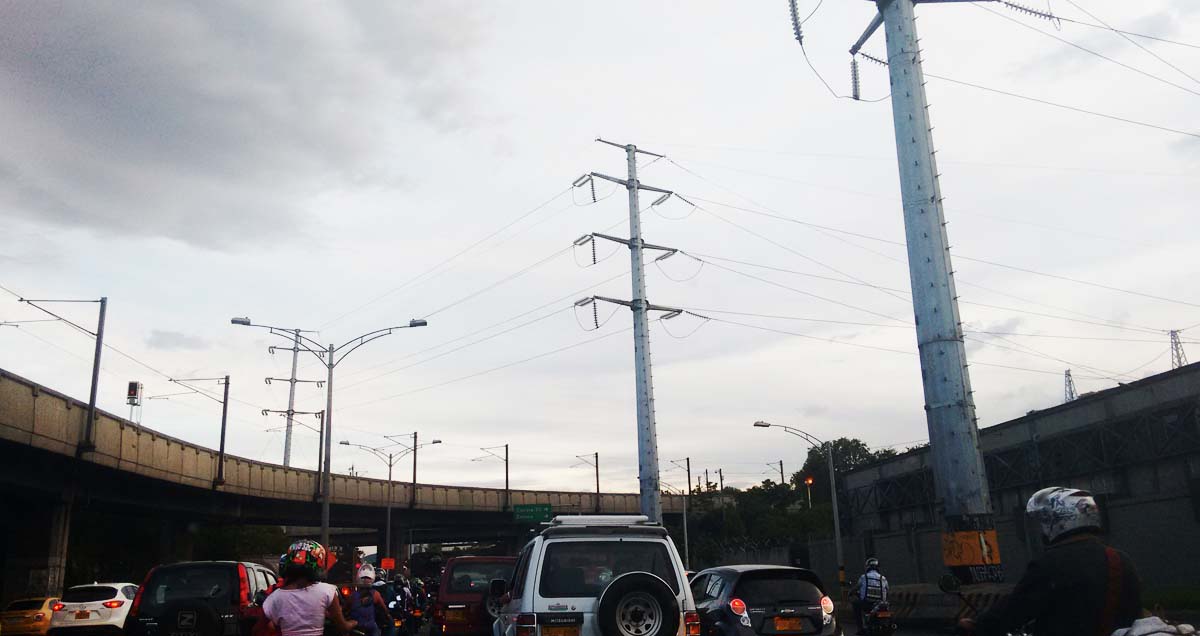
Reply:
x=879, y=621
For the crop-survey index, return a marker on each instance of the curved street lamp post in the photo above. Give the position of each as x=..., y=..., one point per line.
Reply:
x=390, y=458
x=837, y=520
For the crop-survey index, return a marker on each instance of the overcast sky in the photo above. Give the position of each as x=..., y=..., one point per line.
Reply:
x=314, y=165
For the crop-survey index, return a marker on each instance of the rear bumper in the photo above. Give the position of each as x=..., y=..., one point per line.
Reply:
x=86, y=630
x=461, y=629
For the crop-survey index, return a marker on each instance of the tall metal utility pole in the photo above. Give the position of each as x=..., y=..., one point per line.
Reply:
x=491, y=454
x=219, y=479
x=647, y=435
x=687, y=498
x=959, y=476
x=721, y=479
x=290, y=413
x=1178, y=357
x=1069, y=392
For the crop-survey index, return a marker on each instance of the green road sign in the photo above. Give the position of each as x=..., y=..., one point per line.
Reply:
x=532, y=513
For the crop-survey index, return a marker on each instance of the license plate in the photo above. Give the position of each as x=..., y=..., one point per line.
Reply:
x=787, y=624
x=883, y=615
x=560, y=630
x=456, y=616
x=82, y=615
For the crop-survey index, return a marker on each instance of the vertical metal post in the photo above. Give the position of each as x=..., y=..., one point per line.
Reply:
x=597, y=463
x=837, y=517
x=320, y=454
x=87, y=444
x=809, y=487
x=507, y=492
x=687, y=559
x=651, y=498
x=958, y=468
x=782, y=479
x=220, y=480
x=387, y=534
x=291, y=411
x=412, y=495
x=721, y=479
x=325, y=477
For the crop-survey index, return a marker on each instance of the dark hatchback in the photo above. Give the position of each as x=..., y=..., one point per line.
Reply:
x=762, y=600
x=463, y=607
x=199, y=598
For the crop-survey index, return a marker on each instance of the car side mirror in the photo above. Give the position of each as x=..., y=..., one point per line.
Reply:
x=949, y=584
x=497, y=588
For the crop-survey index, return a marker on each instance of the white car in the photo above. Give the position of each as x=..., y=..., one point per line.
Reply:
x=99, y=608
x=597, y=576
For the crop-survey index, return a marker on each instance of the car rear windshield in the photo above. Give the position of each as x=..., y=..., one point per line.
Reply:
x=576, y=569
x=471, y=577
x=777, y=587
x=215, y=582
x=28, y=604
x=89, y=594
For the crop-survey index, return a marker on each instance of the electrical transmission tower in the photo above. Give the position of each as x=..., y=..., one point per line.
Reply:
x=1069, y=392
x=971, y=549
x=648, y=477
x=1178, y=357
x=291, y=412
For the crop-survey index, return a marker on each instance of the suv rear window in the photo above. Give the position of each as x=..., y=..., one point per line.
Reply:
x=577, y=569
x=89, y=594
x=29, y=604
x=207, y=582
x=777, y=587
x=469, y=577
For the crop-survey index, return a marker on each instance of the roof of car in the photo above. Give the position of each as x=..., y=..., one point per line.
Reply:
x=108, y=583
x=752, y=568
x=482, y=559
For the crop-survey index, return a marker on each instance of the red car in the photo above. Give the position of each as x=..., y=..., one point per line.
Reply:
x=463, y=606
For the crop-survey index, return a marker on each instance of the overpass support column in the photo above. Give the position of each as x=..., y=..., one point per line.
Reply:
x=35, y=563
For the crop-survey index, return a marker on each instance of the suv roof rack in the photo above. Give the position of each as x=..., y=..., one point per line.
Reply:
x=592, y=525
x=601, y=520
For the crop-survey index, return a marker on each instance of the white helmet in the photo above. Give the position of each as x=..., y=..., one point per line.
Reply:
x=366, y=574
x=1061, y=510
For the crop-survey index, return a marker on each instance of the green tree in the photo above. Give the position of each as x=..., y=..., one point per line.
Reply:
x=848, y=454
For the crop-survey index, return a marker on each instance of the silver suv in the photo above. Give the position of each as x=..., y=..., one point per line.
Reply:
x=597, y=576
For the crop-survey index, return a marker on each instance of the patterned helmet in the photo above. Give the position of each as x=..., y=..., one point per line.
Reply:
x=309, y=554
x=1061, y=510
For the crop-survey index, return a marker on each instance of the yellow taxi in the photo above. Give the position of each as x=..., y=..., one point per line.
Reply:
x=27, y=616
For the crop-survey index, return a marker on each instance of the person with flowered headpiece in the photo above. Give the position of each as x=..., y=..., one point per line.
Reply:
x=302, y=605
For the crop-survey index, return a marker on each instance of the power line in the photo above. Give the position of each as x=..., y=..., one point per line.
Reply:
x=1133, y=42
x=1103, y=27
x=1090, y=51
x=500, y=282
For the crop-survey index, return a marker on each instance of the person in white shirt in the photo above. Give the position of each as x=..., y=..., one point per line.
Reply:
x=302, y=605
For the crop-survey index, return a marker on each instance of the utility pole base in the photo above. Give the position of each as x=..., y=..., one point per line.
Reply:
x=971, y=549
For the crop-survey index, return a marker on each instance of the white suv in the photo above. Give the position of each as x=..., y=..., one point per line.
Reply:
x=96, y=609
x=597, y=576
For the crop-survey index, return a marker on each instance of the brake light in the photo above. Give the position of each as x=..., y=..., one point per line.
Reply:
x=416, y=613
x=526, y=624
x=113, y=604
x=137, y=597
x=691, y=622
x=57, y=607
x=243, y=586
x=345, y=591
x=738, y=606
x=827, y=605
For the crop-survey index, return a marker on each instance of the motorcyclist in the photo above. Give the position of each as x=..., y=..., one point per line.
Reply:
x=365, y=604
x=302, y=605
x=870, y=590
x=1077, y=586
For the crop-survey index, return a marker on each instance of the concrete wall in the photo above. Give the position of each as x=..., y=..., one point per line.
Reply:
x=33, y=415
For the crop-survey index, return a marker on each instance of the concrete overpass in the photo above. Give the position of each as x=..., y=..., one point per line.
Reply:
x=135, y=470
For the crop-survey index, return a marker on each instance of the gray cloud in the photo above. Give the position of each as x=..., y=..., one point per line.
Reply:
x=175, y=341
x=212, y=123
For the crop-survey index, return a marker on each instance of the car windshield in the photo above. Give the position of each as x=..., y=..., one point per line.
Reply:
x=575, y=569
x=207, y=582
x=27, y=604
x=89, y=594
x=776, y=587
x=470, y=577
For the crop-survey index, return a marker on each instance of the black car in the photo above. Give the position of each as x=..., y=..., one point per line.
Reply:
x=762, y=600
x=199, y=598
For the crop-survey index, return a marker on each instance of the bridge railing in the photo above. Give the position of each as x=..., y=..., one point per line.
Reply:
x=39, y=417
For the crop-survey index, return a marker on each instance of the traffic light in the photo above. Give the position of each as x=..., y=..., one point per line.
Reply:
x=133, y=395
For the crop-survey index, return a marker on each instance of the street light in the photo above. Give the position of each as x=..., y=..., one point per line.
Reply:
x=328, y=355
x=808, y=482
x=837, y=521
x=390, y=458
x=492, y=455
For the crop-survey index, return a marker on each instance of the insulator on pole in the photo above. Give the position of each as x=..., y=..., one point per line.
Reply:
x=796, y=21
x=854, y=84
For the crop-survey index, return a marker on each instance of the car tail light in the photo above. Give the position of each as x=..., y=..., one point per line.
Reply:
x=827, y=605
x=345, y=591
x=738, y=606
x=526, y=624
x=57, y=607
x=416, y=613
x=137, y=597
x=691, y=622
x=113, y=604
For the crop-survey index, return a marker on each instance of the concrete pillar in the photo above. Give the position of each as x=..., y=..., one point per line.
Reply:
x=36, y=550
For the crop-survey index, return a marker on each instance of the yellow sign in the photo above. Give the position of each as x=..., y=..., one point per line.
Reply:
x=970, y=548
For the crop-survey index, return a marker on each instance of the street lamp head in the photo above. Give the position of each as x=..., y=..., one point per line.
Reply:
x=344, y=442
x=761, y=424
x=243, y=321
x=418, y=322
x=436, y=441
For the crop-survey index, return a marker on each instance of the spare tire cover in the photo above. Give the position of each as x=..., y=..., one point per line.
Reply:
x=638, y=604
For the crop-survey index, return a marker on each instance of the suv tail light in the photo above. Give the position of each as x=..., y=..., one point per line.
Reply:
x=526, y=624
x=691, y=622
x=137, y=598
x=243, y=586
x=113, y=604
x=827, y=605
x=738, y=606
x=57, y=607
